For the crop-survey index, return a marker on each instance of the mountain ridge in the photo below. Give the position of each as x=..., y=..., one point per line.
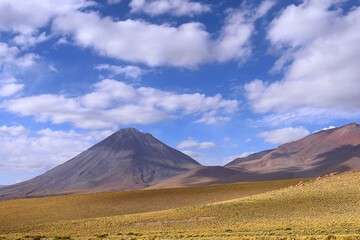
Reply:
x=320, y=153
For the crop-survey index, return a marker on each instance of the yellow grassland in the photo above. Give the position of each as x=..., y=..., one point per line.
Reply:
x=329, y=207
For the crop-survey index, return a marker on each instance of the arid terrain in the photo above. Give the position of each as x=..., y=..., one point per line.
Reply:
x=322, y=207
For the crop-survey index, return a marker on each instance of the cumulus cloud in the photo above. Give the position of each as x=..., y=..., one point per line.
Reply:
x=7, y=54
x=13, y=130
x=9, y=87
x=187, y=45
x=114, y=103
x=12, y=55
x=27, y=40
x=264, y=7
x=128, y=71
x=26, y=17
x=191, y=143
x=234, y=40
x=320, y=60
x=22, y=152
x=173, y=7
x=136, y=40
x=284, y=135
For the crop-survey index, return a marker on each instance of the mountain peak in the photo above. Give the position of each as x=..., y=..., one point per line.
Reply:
x=129, y=130
x=125, y=131
x=353, y=125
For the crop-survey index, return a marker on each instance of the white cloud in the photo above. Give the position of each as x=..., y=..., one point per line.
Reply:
x=128, y=71
x=13, y=130
x=327, y=128
x=191, y=143
x=295, y=25
x=138, y=41
x=194, y=155
x=227, y=159
x=26, y=61
x=320, y=60
x=63, y=40
x=113, y=1
x=9, y=87
x=114, y=103
x=264, y=8
x=29, y=40
x=187, y=45
x=284, y=135
x=100, y=135
x=7, y=54
x=21, y=152
x=234, y=40
x=11, y=55
x=59, y=134
x=173, y=7
x=26, y=17
x=53, y=68
x=248, y=140
x=307, y=115
x=211, y=118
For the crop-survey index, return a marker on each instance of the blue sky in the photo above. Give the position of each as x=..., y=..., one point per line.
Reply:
x=214, y=79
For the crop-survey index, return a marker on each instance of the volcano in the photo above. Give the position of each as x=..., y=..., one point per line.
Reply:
x=126, y=160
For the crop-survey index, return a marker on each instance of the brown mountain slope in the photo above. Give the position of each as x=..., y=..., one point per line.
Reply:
x=320, y=153
x=317, y=154
x=127, y=160
x=204, y=175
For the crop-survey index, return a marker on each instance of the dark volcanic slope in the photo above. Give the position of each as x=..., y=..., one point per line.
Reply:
x=320, y=153
x=127, y=160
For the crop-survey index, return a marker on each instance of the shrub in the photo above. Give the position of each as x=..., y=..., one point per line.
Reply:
x=102, y=235
x=133, y=234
